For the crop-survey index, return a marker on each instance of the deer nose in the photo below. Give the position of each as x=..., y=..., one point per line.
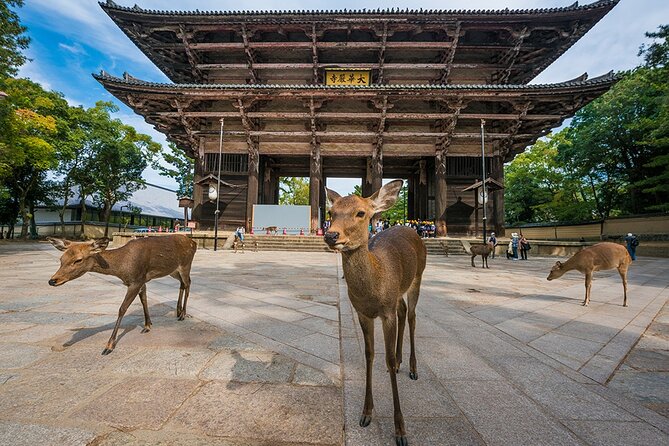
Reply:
x=331, y=237
x=52, y=282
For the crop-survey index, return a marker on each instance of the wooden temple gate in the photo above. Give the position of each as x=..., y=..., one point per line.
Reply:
x=433, y=76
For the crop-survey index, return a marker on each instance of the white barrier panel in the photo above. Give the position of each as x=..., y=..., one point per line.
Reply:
x=292, y=218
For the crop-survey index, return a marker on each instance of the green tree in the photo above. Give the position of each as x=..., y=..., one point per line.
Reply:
x=294, y=191
x=119, y=156
x=12, y=38
x=180, y=168
x=32, y=120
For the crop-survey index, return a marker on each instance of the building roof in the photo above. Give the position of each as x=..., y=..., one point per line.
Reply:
x=580, y=82
x=110, y=6
x=505, y=46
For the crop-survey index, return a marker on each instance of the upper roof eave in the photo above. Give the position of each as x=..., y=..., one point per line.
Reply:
x=605, y=80
x=110, y=6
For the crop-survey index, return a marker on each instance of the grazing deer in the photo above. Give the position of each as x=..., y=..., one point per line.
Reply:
x=599, y=257
x=482, y=250
x=135, y=263
x=378, y=273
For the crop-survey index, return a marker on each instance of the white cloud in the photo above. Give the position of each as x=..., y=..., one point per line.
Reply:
x=76, y=49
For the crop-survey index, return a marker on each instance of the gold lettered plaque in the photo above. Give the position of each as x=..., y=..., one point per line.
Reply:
x=349, y=77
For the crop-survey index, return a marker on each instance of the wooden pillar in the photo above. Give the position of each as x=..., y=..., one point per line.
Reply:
x=269, y=184
x=422, y=190
x=315, y=186
x=411, y=198
x=440, y=194
x=252, y=183
x=498, y=197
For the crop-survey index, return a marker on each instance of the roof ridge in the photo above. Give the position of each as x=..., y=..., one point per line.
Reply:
x=582, y=80
x=110, y=4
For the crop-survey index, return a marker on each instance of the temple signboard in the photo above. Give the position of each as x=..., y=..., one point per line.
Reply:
x=346, y=76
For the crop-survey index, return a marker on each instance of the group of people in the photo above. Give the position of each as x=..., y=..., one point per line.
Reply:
x=517, y=244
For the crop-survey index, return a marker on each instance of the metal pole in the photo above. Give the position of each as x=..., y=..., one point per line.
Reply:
x=218, y=188
x=483, y=186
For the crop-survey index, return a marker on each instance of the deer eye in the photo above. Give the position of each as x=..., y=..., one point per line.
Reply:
x=77, y=261
x=361, y=214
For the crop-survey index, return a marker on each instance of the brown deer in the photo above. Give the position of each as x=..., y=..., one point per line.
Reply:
x=378, y=273
x=482, y=250
x=599, y=257
x=135, y=263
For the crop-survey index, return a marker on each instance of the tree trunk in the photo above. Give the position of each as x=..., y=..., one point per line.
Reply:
x=61, y=212
x=107, y=215
x=33, y=224
x=83, y=212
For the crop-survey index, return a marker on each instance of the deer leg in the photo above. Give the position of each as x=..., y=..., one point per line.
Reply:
x=622, y=270
x=147, y=318
x=588, y=285
x=401, y=322
x=412, y=294
x=367, y=326
x=130, y=295
x=473, y=266
x=486, y=262
x=185, y=283
x=389, y=338
x=182, y=288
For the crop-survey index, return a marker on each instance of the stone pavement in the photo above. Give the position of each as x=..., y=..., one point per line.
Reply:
x=273, y=355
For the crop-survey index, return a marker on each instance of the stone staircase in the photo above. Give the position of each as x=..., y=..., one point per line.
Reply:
x=444, y=246
x=303, y=243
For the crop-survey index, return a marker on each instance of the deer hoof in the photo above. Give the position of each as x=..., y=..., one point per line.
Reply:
x=413, y=375
x=107, y=351
x=365, y=420
x=182, y=317
x=401, y=440
x=146, y=330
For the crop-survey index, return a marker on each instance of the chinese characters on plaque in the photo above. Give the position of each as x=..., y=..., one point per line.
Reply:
x=347, y=77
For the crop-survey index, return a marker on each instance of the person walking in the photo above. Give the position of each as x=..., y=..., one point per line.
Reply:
x=632, y=241
x=493, y=240
x=239, y=232
x=524, y=247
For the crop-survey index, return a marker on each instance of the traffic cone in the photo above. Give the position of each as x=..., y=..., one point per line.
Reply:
x=319, y=232
x=285, y=232
x=301, y=231
x=251, y=231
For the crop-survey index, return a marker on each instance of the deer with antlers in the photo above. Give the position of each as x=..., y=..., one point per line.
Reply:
x=378, y=273
x=601, y=256
x=135, y=263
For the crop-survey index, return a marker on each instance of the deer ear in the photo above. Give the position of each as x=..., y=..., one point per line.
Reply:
x=99, y=244
x=59, y=244
x=385, y=198
x=332, y=196
x=558, y=264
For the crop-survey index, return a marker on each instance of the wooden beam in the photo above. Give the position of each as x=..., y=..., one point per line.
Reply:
x=279, y=115
x=382, y=53
x=449, y=54
x=507, y=143
x=509, y=58
x=393, y=66
x=249, y=55
x=192, y=58
x=369, y=135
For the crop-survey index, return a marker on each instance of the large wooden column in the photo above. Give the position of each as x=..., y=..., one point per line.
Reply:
x=497, y=172
x=253, y=162
x=270, y=184
x=315, y=170
x=446, y=127
x=422, y=191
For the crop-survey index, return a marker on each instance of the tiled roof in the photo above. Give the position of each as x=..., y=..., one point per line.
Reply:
x=111, y=5
x=581, y=81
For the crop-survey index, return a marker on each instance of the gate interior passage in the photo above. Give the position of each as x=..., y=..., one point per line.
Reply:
x=293, y=219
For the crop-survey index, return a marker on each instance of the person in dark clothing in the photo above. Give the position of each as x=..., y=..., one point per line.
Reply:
x=524, y=247
x=493, y=240
x=632, y=241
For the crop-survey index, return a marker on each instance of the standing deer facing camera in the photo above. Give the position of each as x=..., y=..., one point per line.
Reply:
x=135, y=263
x=378, y=273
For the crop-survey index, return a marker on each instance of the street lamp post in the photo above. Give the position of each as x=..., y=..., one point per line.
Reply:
x=218, y=188
x=483, y=187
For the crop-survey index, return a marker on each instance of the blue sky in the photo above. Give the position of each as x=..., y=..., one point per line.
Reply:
x=73, y=38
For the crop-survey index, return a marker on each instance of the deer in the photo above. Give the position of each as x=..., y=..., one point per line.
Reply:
x=599, y=257
x=378, y=272
x=135, y=263
x=482, y=250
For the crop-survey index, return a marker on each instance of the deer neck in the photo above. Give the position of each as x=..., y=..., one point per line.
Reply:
x=360, y=269
x=109, y=262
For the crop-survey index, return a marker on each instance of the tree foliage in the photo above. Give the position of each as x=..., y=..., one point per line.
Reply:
x=294, y=191
x=612, y=160
x=12, y=38
x=180, y=167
